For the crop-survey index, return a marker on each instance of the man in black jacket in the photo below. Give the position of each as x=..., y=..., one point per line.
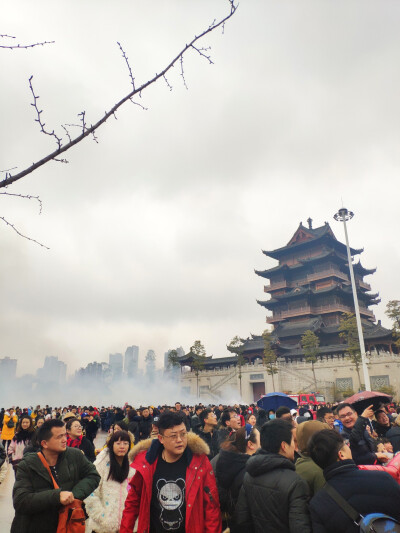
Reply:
x=273, y=497
x=354, y=429
x=208, y=432
x=366, y=491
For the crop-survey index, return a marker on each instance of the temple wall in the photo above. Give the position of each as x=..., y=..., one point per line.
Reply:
x=333, y=375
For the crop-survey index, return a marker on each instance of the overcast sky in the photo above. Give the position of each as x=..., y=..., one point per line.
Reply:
x=155, y=232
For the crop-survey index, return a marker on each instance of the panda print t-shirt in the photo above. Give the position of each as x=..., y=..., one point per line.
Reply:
x=168, y=509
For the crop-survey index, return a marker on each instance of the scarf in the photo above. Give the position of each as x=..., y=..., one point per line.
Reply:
x=74, y=443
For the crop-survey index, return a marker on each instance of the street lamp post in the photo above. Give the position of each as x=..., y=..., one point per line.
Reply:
x=343, y=215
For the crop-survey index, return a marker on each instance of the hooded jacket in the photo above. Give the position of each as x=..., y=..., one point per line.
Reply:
x=367, y=492
x=106, y=504
x=201, y=499
x=8, y=433
x=37, y=502
x=273, y=497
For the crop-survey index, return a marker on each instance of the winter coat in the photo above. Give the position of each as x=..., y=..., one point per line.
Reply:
x=394, y=436
x=8, y=433
x=230, y=469
x=273, y=498
x=310, y=472
x=87, y=448
x=145, y=427
x=105, y=505
x=201, y=498
x=36, y=502
x=229, y=472
x=367, y=492
x=211, y=439
x=361, y=444
x=133, y=427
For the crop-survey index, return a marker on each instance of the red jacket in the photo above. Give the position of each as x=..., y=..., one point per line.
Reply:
x=202, y=502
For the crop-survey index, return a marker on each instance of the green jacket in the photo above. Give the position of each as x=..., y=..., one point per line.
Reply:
x=36, y=502
x=310, y=472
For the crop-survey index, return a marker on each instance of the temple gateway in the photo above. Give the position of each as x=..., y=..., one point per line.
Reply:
x=309, y=289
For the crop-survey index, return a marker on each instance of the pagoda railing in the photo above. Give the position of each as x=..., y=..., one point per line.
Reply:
x=364, y=285
x=329, y=272
x=322, y=309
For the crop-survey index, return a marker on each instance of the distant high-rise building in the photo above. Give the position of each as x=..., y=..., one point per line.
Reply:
x=8, y=368
x=53, y=370
x=131, y=360
x=116, y=364
x=150, y=361
x=180, y=352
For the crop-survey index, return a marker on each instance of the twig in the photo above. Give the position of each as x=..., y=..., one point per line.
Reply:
x=82, y=115
x=167, y=82
x=11, y=179
x=201, y=52
x=66, y=131
x=39, y=118
x=127, y=64
x=23, y=46
x=22, y=235
x=182, y=72
x=138, y=104
x=26, y=197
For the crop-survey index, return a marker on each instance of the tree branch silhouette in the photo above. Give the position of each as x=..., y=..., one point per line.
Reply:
x=86, y=130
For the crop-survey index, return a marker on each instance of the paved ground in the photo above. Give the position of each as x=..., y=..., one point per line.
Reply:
x=6, y=506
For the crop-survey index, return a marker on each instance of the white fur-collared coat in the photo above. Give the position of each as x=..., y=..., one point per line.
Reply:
x=106, y=504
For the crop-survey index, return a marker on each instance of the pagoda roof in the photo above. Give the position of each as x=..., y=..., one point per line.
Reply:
x=372, y=298
x=190, y=357
x=305, y=262
x=362, y=270
x=304, y=236
x=375, y=331
x=293, y=329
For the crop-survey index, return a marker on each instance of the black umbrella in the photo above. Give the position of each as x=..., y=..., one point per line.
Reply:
x=362, y=400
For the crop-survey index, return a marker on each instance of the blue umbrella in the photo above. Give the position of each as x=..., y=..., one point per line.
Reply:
x=273, y=400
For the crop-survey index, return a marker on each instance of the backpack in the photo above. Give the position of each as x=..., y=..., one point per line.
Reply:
x=371, y=523
x=10, y=423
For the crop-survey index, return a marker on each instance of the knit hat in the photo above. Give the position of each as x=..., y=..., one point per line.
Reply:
x=306, y=430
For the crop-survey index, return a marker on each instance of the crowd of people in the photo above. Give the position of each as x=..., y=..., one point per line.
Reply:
x=203, y=468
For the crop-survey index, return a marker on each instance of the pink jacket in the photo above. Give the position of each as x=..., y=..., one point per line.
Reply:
x=392, y=468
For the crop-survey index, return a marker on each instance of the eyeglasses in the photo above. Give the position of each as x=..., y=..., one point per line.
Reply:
x=174, y=436
x=346, y=415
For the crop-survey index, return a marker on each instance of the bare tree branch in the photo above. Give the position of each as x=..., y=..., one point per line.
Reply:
x=88, y=131
x=26, y=197
x=39, y=118
x=22, y=235
x=127, y=64
x=21, y=46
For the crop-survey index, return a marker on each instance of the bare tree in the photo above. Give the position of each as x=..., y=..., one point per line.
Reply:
x=64, y=139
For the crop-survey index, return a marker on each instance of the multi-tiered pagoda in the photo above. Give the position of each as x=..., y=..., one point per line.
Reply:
x=310, y=289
